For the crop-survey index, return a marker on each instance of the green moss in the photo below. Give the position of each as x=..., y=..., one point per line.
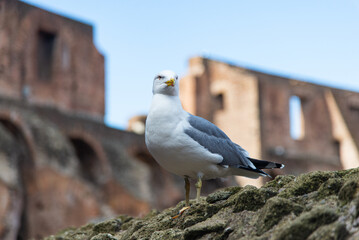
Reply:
x=334, y=231
x=103, y=236
x=168, y=234
x=111, y=226
x=306, y=183
x=232, y=200
x=347, y=192
x=202, y=228
x=151, y=214
x=251, y=198
x=191, y=220
x=306, y=207
x=273, y=211
x=350, y=174
x=330, y=187
x=198, y=212
x=73, y=235
x=222, y=194
x=144, y=228
x=132, y=227
x=306, y=223
x=354, y=210
x=279, y=182
x=82, y=233
x=128, y=224
x=124, y=219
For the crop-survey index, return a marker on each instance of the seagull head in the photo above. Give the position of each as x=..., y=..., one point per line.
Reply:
x=166, y=82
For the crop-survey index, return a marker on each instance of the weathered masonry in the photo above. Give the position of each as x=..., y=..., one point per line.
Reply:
x=303, y=125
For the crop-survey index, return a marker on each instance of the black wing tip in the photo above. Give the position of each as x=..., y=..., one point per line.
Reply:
x=262, y=164
x=278, y=165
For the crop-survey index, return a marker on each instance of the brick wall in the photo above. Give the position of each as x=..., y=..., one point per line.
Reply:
x=48, y=59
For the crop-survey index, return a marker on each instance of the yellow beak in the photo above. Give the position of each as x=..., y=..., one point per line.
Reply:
x=171, y=82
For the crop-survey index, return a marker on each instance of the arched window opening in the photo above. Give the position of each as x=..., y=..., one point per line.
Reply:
x=88, y=159
x=219, y=101
x=24, y=165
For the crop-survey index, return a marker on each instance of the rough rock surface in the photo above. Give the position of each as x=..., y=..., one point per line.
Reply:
x=317, y=205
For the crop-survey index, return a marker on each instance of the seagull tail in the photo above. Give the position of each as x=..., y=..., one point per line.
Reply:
x=261, y=164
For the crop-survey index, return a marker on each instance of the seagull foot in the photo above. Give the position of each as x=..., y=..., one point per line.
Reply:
x=181, y=212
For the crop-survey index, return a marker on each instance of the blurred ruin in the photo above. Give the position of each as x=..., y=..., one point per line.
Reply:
x=256, y=109
x=61, y=166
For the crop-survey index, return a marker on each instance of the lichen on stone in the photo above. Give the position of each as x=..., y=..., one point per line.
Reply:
x=348, y=191
x=330, y=187
x=335, y=230
x=222, y=194
x=111, y=226
x=306, y=223
x=306, y=183
x=202, y=228
x=273, y=211
x=252, y=199
x=317, y=205
x=170, y=234
x=103, y=236
x=279, y=182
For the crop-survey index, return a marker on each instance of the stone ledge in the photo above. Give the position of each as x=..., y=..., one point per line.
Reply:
x=317, y=205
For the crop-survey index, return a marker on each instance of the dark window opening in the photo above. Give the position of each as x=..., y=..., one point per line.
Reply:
x=219, y=101
x=45, y=52
x=336, y=144
x=354, y=109
x=88, y=159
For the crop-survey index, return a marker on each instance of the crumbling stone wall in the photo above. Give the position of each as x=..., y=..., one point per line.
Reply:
x=317, y=143
x=41, y=177
x=49, y=59
x=253, y=107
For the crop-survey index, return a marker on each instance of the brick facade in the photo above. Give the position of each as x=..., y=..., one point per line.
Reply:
x=49, y=59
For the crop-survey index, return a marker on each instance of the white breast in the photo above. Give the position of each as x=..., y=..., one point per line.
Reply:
x=170, y=146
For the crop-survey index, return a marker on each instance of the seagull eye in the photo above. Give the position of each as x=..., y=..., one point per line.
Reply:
x=160, y=77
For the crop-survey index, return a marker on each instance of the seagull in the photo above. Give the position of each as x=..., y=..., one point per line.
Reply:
x=190, y=146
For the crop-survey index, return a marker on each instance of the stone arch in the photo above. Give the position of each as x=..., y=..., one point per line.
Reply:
x=163, y=183
x=25, y=166
x=13, y=122
x=94, y=166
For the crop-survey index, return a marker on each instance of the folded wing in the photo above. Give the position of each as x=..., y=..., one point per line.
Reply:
x=216, y=141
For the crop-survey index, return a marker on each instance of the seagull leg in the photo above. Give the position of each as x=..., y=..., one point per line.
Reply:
x=198, y=187
x=187, y=188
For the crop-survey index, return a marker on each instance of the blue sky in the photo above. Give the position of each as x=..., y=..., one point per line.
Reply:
x=315, y=41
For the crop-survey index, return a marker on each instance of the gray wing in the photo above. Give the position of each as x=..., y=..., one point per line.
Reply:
x=216, y=141
x=206, y=126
